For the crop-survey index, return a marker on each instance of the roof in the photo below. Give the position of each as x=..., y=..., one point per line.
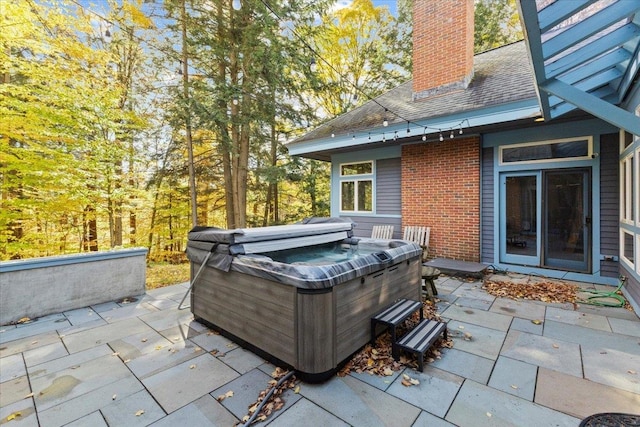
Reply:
x=585, y=55
x=503, y=80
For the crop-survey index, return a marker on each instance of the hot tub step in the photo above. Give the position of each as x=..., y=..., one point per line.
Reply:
x=394, y=315
x=420, y=338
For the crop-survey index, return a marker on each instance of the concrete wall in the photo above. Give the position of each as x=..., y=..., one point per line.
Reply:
x=40, y=286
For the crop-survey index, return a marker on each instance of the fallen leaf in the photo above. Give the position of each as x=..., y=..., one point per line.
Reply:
x=34, y=342
x=513, y=386
x=297, y=389
x=28, y=396
x=460, y=327
x=406, y=383
x=140, y=412
x=467, y=336
x=489, y=414
x=414, y=381
x=14, y=416
x=536, y=322
x=632, y=372
x=192, y=366
x=555, y=346
x=115, y=354
x=143, y=340
x=387, y=372
x=406, y=377
x=114, y=397
x=158, y=347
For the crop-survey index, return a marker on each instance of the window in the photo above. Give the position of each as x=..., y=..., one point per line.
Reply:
x=630, y=200
x=576, y=149
x=356, y=187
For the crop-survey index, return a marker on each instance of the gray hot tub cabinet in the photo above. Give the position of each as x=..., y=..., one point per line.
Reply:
x=310, y=318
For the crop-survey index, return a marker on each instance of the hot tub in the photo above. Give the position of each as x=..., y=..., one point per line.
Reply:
x=301, y=295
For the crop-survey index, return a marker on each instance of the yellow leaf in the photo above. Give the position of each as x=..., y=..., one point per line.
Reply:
x=14, y=416
x=536, y=322
x=158, y=347
x=140, y=412
x=387, y=372
x=229, y=393
x=370, y=362
x=297, y=389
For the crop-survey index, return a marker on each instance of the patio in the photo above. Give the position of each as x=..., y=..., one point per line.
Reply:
x=145, y=362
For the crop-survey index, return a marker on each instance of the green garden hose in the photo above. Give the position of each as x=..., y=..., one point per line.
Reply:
x=597, y=296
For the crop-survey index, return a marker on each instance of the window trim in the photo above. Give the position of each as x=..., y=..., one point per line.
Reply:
x=356, y=178
x=589, y=140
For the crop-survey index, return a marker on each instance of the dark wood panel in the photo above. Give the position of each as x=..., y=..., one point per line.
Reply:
x=316, y=332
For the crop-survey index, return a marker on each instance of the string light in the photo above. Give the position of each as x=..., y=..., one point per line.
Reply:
x=395, y=136
x=236, y=5
x=451, y=136
x=384, y=138
x=408, y=130
x=313, y=66
x=385, y=122
x=441, y=138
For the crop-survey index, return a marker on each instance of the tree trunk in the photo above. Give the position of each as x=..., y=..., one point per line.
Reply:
x=187, y=118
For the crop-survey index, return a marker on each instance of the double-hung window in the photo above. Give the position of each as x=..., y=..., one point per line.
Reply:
x=356, y=187
x=630, y=200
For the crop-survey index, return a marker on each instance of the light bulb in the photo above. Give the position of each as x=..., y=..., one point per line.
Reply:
x=424, y=137
x=451, y=136
x=384, y=138
x=235, y=101
x=441, y=138
x=395, y=135
x=333, y=135
x=385, y=122
x=236, y=5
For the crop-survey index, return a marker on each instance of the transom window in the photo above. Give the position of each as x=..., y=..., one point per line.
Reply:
x=546, y=151
x=356, y=187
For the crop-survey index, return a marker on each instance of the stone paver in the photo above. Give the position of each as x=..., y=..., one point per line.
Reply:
x=479, y=405
x=464, y=364
x=546, y=352
x=593, y=321
x=514, y=377
x=625, y=326
x=139, y=409
x=306, y=410
x=518, y=308
x=475, y=339
x=359, y=404
x=482, y=318
x=182, y=384
x=434, y=394
x=204, y=412
x=84, y=371
x=580, y=397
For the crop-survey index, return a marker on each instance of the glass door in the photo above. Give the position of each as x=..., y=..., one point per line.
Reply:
x=519, y=222
x=545, y=219
x=567, y=219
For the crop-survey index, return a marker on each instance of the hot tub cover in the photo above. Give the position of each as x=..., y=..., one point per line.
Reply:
x=242, y=250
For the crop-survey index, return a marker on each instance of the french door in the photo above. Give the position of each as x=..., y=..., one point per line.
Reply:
x=545, y=219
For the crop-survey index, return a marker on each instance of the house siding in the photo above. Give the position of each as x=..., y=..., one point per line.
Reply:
x=388, y=187
x=488, y=209
x=609, y=203
x=441, y=190
x=388, y=200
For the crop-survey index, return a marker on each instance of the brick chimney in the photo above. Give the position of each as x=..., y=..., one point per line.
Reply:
x=442, y=46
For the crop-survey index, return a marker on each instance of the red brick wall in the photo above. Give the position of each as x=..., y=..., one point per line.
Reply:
x=442, y=42
x=441, y=189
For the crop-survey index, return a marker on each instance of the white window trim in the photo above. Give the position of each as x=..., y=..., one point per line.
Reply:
x=626, y=188
x=589, y=140
x=629, y=262
x=355, y=179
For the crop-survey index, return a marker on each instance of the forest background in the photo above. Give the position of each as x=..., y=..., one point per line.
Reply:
x=126, y=122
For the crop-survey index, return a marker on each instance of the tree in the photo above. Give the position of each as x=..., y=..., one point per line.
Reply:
x=496, y=23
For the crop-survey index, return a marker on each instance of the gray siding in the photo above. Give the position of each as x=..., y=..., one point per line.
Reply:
x=487, y=209
x=388, y=200
x=609, y=203
x=364, y=224
x=632, y=286
x=388, y=187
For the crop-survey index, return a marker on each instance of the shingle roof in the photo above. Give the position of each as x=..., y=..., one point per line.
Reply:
x=501, y=76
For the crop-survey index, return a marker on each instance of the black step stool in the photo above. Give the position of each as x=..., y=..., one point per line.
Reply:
x=420, y=339
x=393, y=316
